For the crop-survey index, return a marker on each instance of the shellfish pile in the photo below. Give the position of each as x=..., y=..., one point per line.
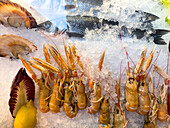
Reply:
x=68, y=90
x=89, y=51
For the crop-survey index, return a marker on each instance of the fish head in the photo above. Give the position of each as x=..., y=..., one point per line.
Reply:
x=47, y=26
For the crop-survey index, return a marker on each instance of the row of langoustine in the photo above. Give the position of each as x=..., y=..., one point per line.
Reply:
x=131, y=88
x=65, y=89
x=137, y=96
x=119, y=117
x=158, y=105
x=139, y=99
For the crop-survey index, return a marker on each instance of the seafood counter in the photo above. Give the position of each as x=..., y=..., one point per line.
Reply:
x=99, y=72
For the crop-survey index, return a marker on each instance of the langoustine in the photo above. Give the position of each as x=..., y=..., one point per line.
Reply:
x=150, y=119
x=162, y=103
x=143, y=95
x=56, y=97
x=144, y=101
x=104, y=114
x=67, y=78
x=163, y=98
x=119, y=117
x=81, y=95
x=95, y=96
x=43, y=83
x=131, y=92
x=70, y=107
x=95, y=99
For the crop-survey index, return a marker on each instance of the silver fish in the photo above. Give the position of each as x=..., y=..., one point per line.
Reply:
x=78, y=23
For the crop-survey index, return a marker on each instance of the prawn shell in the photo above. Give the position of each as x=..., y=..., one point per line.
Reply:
x=162, y=112
x=131, y=94
x=150, y=119
x=44, y=93
x=94, y=108
x=148, y=60
x=118, y=117
x=140, y=62
x=81, y=96
x=104, y=114
x=8, y=8
x=70, y=108
x=18, y=96
x=144, y=101
x=162, y=73
x=55, y=104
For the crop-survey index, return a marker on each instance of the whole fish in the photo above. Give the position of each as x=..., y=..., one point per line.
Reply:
x=77, y=25
x=90, y=2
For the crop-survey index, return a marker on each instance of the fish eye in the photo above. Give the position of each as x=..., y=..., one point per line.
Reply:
x=47, y=25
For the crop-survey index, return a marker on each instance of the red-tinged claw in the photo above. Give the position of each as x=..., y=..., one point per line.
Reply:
x=169, y=103
x=167, y=81
x=140, y=77
x=22, y=90
x=91, y=83
x=169, y=47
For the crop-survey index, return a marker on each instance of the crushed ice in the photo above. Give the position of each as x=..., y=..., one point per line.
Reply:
x=90, y=50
